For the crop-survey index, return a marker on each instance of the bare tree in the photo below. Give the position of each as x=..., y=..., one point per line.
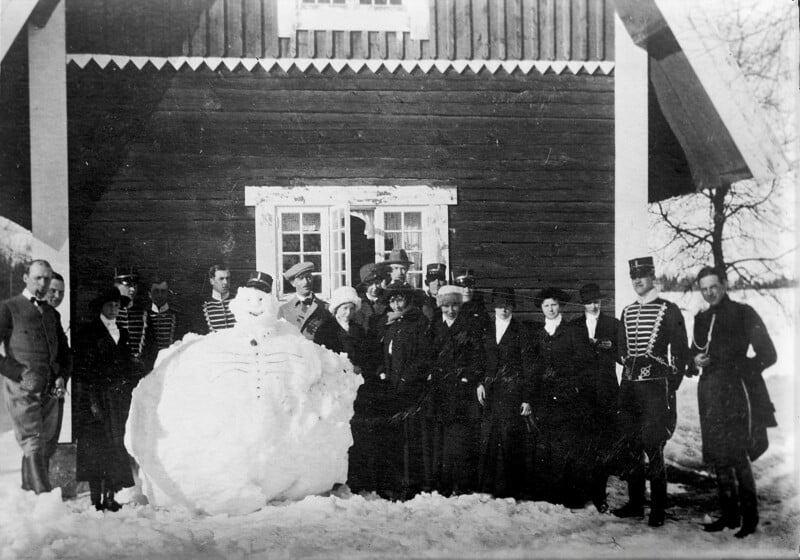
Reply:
x=744, y=228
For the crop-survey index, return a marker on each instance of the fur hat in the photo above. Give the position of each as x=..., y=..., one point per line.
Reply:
x=343, y=295
x=449, y=295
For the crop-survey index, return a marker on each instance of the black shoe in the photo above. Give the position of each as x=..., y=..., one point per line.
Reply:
x=656, y=518
x=629, y=510
x=601, y=507
x=747, y=529
x=720, y=524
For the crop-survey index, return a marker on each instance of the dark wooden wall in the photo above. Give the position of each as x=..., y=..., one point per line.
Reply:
x=460, y=29
x=532, y=157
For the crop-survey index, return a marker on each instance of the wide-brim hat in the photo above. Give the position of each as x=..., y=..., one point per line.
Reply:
x=641, y=266
x=397, y=288
x=590, y=292
x=108, y=295
x=398, y=256
x=343, y=295
x=260, y=281
x=551, y=293
x=298, y=269
x=504, y=297
x=368, y=274
x=449, y=295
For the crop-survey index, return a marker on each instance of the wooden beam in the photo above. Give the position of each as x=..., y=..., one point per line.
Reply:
x=13, y=16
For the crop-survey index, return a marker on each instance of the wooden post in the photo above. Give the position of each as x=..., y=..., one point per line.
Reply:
x=47, y=74
x=630, y=160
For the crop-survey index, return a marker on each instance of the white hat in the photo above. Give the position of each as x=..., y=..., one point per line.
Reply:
x=343, y=295
x=448, y=295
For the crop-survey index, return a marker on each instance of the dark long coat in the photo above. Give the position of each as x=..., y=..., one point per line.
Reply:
x=562, y=392
x=734, y=406
x=508, y=383
x=104, y=377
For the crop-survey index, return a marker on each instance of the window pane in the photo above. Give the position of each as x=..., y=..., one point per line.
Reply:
x=414, y=279
x=343, y=261
x=290, y=222
x=380, y=2
x=413, y=220
x=416, y=258
x=312, y=243
x=311, y=222
x=396, y=2
x=316, y=259
x=412, y=241
x=291, y=243
x=289, y=261
x=391, y=241
x=317, y=283
x=392, y=221
x=343, y=240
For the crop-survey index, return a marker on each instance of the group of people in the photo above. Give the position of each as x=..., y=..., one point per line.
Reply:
x=454, y=399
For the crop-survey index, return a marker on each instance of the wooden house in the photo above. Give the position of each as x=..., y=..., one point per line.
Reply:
x=519, y=138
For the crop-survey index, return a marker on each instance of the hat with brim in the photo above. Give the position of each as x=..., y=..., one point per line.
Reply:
x=449, y=295
x=260, y=281
x=368, y=274
x=551, y=293
x=298, y=270
x=106, y=296
x=589, y=293
x=503, y=297
x=397, y=288
x=125, y=275
x=398, y=256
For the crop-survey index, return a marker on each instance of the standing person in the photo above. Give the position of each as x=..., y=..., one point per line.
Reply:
x=397, y=264
x=55, y=295
x=473, y=308
x=216, y=308
x=602, y=332
x=133, y=316
x=561, y=394
x=36, y=354
x=405, y=349
x=505, y=392
x=457, y=351
x=304, y=309
x=342, y=334
x=164, y=322
x=105, y=375
x=371, y=275
x=435, y=278
x=734, y=405
x=654, y=353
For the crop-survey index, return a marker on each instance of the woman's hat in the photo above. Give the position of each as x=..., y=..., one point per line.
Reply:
x=448, y=295
x=503, y=297
x=551, y=293
x=108, y=295
x=397, y=288
x=343, y=295
x=589, y=293
x=398, y=256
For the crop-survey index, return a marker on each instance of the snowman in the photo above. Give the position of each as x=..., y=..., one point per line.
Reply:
x=240, y=417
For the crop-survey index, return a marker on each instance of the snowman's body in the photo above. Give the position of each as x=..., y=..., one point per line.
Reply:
x=229, y=421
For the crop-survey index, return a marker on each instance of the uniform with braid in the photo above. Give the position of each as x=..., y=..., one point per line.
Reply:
x=217, y=314
x=654, y=351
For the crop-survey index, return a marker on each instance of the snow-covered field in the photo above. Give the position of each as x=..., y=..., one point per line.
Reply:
x=475, y=526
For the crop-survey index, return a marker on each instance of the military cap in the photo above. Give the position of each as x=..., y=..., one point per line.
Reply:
x=641, y=266
x=260, y=281
x=125, y=275
x=464, y=278
x=436, y=271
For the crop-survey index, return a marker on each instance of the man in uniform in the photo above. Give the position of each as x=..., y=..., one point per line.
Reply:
x=435, y=278
x=304, y=309
x=164, y=322
x=36, y=355
x=734, y=405
x=216, y=308
x=654, y=352
x=472, y=308
x=132, y=317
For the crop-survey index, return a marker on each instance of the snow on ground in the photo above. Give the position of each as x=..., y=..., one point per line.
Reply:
x=430, y=526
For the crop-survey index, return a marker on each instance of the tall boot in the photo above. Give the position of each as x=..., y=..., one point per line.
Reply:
x=37, y=472
x=748, y=500
x=658, y=502
x=96, y=494
x=635, y=505
x=728, y=502
x=26, y=474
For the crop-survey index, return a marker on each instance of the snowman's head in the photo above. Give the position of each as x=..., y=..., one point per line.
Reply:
x=254, y=308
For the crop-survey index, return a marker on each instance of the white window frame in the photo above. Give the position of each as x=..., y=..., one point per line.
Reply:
x=270, y=200
x=412, y=16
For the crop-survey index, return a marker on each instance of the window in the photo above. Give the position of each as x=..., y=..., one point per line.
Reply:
x=318, y=224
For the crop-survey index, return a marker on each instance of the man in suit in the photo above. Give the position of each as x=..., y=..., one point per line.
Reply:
x=35, y=356
x=55, y=295
x=601, y=331
x=304, y=309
